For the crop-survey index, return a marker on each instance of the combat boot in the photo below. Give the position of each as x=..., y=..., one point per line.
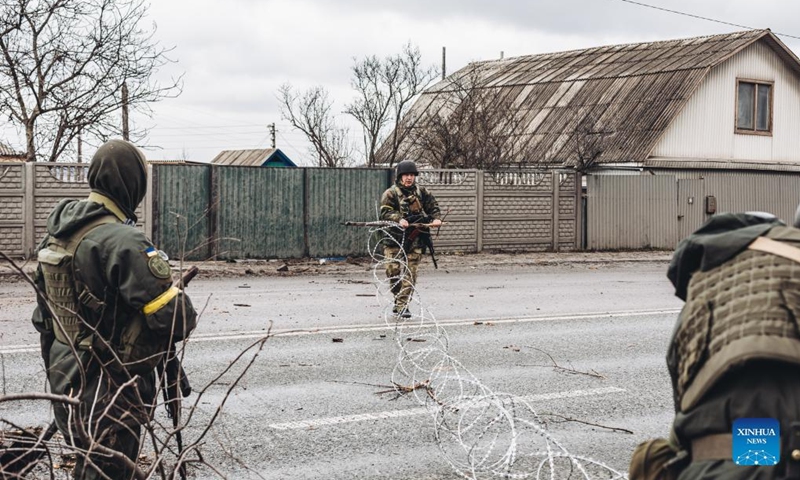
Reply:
x=401, y=311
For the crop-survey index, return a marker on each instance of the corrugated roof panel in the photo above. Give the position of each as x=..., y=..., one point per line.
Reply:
x=540, y=95
x=250, y=158
x=522, y=98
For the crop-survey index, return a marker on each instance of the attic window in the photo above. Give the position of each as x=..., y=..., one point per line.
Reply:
x=754, y=107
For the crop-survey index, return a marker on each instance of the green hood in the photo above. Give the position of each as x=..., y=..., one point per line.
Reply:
x=721, y=238
x=118, y=171
x=71, y=214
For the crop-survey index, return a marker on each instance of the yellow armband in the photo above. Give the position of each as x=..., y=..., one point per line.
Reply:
x=160, y=301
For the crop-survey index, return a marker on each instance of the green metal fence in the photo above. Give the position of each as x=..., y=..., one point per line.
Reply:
x=336, y=196
x=225, y=212
x=259, y=211
x=181, y=220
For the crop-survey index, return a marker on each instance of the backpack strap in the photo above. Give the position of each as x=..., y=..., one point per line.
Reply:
x=768, y=245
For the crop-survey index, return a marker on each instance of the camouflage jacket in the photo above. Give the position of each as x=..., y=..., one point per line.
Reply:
x=398, y=202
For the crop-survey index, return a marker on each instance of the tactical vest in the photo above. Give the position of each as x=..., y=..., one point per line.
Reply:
x=411, y=204
x=744, y=309
x=63, y=296
x=406, y=205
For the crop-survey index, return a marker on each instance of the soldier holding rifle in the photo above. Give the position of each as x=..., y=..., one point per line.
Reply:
x=415, y=210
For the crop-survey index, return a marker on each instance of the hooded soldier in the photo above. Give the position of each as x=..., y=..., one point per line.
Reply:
x=734, y=353
x=110, y=313
x=415, y=209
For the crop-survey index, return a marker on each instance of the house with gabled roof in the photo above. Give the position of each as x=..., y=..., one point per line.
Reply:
x=729, y=101
x=264, y=157
x=675, y=130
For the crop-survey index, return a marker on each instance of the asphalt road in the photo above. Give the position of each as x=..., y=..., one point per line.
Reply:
x=581, y=341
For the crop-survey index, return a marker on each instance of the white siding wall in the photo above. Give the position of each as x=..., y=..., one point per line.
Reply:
x=705, y=127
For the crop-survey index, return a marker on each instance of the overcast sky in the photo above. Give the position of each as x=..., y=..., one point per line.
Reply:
x=234, y=54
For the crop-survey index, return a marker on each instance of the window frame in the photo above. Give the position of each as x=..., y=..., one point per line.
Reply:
x=754, y=131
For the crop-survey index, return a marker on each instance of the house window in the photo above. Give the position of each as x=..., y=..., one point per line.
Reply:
x=754, y=107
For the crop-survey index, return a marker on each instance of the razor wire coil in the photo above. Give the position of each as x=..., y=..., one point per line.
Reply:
x=482, y=433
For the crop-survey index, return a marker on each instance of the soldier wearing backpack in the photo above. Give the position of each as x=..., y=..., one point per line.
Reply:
x=107, y=314
x=734, y=354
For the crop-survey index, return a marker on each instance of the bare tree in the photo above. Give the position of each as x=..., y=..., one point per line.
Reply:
x=474, y=126
x=63, y=66
x=310, y=112
x=385, y=89
x=588, y=142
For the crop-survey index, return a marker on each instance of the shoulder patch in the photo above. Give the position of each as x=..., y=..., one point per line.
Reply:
x=159, y=267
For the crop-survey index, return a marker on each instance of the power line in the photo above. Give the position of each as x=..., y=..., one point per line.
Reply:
x=703, y=18
x=251, y=125
x=155, y=133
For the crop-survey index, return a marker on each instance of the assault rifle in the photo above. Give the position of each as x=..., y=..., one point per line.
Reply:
x=174, y=382
x=415, y=223
x=418, y=224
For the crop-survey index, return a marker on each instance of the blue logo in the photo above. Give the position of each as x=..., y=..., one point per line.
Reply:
x=756, y=441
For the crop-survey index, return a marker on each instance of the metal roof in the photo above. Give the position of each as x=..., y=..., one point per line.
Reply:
x=715, y=164
x=252, y=158
x=630, y=93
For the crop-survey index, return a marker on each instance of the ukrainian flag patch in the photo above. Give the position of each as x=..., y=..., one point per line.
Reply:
x=151, y=252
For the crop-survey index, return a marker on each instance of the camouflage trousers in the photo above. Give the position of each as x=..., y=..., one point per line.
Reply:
x=401, y=269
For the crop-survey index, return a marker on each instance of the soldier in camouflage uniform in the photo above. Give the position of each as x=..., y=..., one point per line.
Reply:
x=112, y=311
x=407, y=204
x=735, y=350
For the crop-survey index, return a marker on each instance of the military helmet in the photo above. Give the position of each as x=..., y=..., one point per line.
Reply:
x=406, y=166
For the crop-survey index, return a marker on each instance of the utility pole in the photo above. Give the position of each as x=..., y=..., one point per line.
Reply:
x=272, y=133
x=125, y=130
x=444, y=63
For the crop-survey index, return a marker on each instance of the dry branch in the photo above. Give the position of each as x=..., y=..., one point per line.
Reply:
x=591, y=373
x=584, y=422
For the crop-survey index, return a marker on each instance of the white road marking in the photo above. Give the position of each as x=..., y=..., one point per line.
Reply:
x=428, y=324
x=319, y=422
x=12, y=349
x=254, y=334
